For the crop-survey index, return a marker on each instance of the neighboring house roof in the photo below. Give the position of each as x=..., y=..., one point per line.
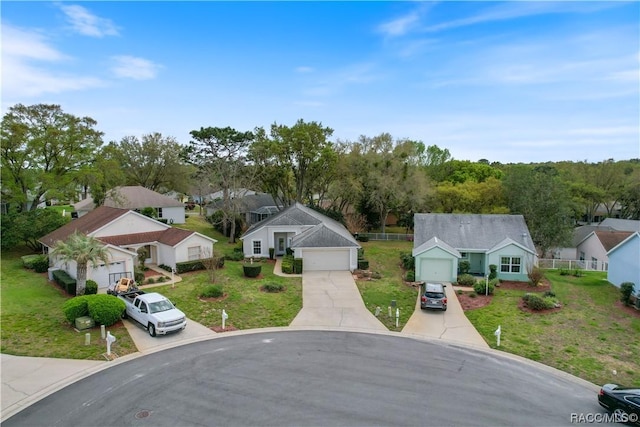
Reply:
x=582, y=232
x=239, y=192
x=104, y=215
x=250, y=203
x=629, y=238
x=471, y=232
x=611, y=239
x=131, y=197
x=325, y=231
x=622, y=224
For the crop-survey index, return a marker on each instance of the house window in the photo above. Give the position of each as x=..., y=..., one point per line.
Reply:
x=194, y=253
x=581, y=256
x=594, y=263
x=510, y=264
x=464, y=255
x=159, y=212
x=257, y=247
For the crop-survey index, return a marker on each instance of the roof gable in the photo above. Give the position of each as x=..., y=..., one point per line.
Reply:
x=132, y=197
x=322, y=236
x=86, y=224
x=434, y=242
x=611, y=239
x=471, y=232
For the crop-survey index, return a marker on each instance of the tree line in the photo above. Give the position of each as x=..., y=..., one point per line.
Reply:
x=48, y=154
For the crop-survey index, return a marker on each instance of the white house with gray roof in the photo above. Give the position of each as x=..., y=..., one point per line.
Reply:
x=321, y=242
x=441, y=241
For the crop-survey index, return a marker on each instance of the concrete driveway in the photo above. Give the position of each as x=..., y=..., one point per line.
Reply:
x=330, y=299
x=451, y=325
x=148, y=344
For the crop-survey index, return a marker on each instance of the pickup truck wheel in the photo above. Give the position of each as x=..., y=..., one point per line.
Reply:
x=124, y=314
x=151, y=329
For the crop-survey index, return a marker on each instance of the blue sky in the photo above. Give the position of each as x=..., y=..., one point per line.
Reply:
x=505, y=81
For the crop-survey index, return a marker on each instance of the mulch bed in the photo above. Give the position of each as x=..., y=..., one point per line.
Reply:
x=471, y=303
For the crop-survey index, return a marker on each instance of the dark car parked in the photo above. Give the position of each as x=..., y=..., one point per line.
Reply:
x=433, y=296
x=623, y=402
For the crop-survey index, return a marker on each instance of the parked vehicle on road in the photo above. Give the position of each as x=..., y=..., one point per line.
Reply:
x=433, y=296
x=153, y=311
x=623, y=402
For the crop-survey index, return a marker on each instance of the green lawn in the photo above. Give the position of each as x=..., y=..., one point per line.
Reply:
x=589, y=337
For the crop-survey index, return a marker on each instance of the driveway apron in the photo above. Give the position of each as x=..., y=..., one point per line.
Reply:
x=331, y=299
x=451, y=325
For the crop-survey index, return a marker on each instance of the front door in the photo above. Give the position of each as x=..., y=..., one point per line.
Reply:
x=281, y=246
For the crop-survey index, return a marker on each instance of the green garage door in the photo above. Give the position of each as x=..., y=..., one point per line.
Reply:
x=435, y=270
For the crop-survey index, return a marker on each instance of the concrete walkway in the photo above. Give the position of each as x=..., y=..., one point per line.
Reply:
x=451, y=325
x=331, y=299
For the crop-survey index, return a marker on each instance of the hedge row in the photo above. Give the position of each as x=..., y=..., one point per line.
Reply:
x=185, y=267
x=39, y=263
x=65, y=281
x=103, y=309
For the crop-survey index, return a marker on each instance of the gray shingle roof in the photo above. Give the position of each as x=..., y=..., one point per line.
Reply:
x=622, y=224
x=132, y=197
x=322, y=236
x=471, y=232
x=249, y=203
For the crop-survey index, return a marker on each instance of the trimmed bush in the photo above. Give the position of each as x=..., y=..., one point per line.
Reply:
x=466, y=280
x=297, y=265
x=28, y=260
x=362, y=238
x=236, y=256
x=138, y=275
x=105, y=309
x=212, y=291
x=287, y=264
x=493, y=271
x=252, y=270
x=363, y=264
x=162, y=279
x=464, y=267
x=360, y=253
x=626, y=290
x=186, y=266
x=408, y=261
x=75, y=307
x=65, y=281
x=411, y=276
x=151, y=280
x=41, y=264
x=482, y=288
x=272, y=252
x=273, y=287
x=91, y=287
x=495, y=282
x=165, y=267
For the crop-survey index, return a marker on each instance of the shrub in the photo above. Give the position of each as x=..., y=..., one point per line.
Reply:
x=289, y=251
x=577, y=272
x=273, y=287
x=212, y=291
x=138, y=275
x=236, y=256
x=464, y=267
x=65, y=281
x=564, y=272
x=105, y=309
x=91, y=288
x=272, y=252
x=297, y=265
x=238, y=249
x=186, y=266
x=363, y=264
x=29, y=260
x=473, y=295
x=287, y=264
x=482, y=287
x=626, y=290
x=161, y=279
x=411, y=276
x=75, y=307
x=251, y=270
x=360, y=253
x=408, y=261
x=537, y=302
x=41, y=264
x=362, y=238
x=493, y=271
x=151, y=280
x=220, y=262
x=376, y=275
x=495, y=282
x=549, y=294
x=466, y=280
x=535, y=275
x=165, y=268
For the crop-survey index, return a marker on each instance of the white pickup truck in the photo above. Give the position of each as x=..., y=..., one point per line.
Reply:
x=153, y=311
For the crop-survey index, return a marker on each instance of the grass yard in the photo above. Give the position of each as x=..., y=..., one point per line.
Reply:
x=199, y=224
x=33, y=323
x=246, y=304
x=384, y=258
x=589, y=337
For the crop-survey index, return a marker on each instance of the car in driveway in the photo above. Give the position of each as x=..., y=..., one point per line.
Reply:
x=433, y=296
x=623, y=402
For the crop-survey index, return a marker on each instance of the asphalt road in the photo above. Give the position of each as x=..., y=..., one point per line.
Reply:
x=317, y=378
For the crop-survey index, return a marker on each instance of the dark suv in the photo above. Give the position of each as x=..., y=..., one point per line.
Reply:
x=433, y=296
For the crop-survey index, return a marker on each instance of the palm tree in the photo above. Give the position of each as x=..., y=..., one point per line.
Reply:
x=83, y=250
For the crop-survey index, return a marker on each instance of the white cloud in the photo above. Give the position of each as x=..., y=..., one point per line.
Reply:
x=27, y=58
x=88, y=24
x=134, y=68
x=400, y=26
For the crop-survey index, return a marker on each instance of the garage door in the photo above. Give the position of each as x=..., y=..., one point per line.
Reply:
x=101, y=274
x=325, y=259
x=435, y=270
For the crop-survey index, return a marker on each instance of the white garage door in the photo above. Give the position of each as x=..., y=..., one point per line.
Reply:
x=101, y=274
x=325, y=259
x=435, y=270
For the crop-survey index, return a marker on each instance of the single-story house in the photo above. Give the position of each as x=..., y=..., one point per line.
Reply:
x=579, y=234
x=137, y=198
x=592, y=250
x=123, y=232
x=441, y=241
x=624, y=262
x=253, y=207
x=322, y=243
